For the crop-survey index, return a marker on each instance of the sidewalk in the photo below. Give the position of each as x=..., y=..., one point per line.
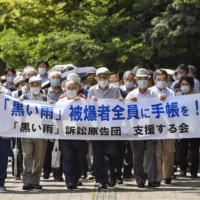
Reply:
x=181, y=188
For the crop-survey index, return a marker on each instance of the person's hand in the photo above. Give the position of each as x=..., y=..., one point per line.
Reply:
x=163, y=97
x=77, y=98
x=51, y=140
x=133, y=99
x=21, y=98
x=94, y=98
x=121, y=99
x=1, y=91
x=52, y=101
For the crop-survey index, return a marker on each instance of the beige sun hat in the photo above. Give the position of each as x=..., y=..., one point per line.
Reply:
x=74, y=77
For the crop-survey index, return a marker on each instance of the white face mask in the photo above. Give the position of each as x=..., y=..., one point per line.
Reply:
x=42, y=70
x=35, y=90
x=71, y=93
x=143, y=84
x=116, y=84
x=103, y=84
x=185, y=88
x=129, y=85
x=20, y=87
x=161, y=84
x=10, y=79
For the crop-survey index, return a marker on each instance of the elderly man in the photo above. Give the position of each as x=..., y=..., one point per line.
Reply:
x=19, y=83
x=72, y=149
x=4, y=149
x=138, y=146
x=165, y=148
x=53, y=94
x=102, y=149
x=129, y=82
x=33, y=149
x=27, y=74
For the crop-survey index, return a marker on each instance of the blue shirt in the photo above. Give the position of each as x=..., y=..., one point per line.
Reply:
x=44, y=79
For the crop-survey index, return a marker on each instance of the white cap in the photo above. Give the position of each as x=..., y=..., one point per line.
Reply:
x=142, y=73
x=102, y=70
x=35, y=79
x=18, y=79
x=74, y=77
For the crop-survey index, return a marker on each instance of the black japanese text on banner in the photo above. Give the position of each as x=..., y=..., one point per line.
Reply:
x=105, y=119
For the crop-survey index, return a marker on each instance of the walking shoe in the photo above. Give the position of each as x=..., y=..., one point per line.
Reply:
x=58, y=178
x=45, y=176
x=112, y=182
x=128, y=176
x=71, y=186
x=183, y=173
x=194, y=175
x=152, y=184
x=102, y=186
x=167, y=180
x=79, y=183
x=18, y=178
x=158, y=183
x=37, y=187
x=119, y=181
x=28, y=186
x=2, y=189
x=140, y=185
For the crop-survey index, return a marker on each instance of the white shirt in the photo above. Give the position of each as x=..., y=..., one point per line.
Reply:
x=136, y=93
x=156, y=92
x=5, y=90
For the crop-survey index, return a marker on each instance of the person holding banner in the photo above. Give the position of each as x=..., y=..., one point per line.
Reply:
x=72, y=149
x=165, y=148
x=53, y=94
x=4, y=149
x=124, y=147
x=186, y=83
x=33, y=149
x=103, y=148
x=138, y=146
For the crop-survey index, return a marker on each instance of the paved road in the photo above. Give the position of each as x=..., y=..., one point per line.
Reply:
x=181, y=188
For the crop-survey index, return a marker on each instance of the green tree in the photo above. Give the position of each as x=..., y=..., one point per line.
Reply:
x=82, y=32
x=175, y=35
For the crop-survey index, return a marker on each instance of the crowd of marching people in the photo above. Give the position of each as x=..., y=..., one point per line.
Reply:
x=106, y=161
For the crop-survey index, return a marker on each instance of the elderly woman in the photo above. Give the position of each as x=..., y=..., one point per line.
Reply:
x=186, y=84
x=53, y=94
x=72, y=149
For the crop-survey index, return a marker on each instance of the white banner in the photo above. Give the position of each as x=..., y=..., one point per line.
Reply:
x=106, y=119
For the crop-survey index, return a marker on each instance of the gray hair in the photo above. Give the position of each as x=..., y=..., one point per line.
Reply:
x=192, y=70
x=127, y=73
x=54, y=73
x=71, y=81
x=28, y=69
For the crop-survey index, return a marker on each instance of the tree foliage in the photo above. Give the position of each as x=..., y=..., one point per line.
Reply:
x=117, y=34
